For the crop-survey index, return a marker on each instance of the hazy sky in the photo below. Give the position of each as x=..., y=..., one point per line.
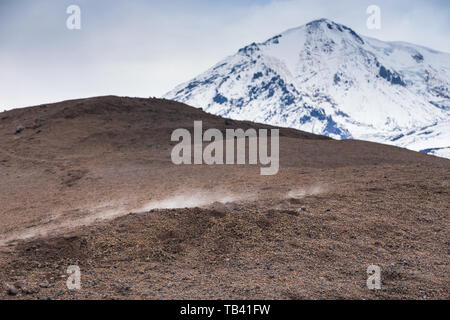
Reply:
x=145, y=48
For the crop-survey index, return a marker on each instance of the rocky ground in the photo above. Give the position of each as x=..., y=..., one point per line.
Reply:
x=85, y=182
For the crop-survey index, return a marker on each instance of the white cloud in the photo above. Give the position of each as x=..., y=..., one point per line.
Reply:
x=145, y=48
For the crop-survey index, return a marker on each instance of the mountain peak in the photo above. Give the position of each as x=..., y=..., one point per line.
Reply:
x=329, y=27
x=324, y=78
x=320, y=21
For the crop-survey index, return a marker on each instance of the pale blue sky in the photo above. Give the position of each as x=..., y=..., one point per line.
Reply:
x=145, y=48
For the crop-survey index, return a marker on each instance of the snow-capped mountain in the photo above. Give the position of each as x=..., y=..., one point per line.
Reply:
x=325, y=78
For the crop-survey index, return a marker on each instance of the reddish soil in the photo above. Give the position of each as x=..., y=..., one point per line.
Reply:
x=76, y=177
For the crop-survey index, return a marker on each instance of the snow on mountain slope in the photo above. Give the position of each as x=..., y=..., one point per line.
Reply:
x=419, y=140
x=324, y=78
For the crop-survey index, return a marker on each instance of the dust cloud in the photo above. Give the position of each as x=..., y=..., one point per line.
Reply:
x=64, y=222
x=189, y=200
x=307, y=191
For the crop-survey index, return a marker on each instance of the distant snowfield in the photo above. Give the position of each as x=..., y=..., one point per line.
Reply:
x=326, y=79
x=419, y=140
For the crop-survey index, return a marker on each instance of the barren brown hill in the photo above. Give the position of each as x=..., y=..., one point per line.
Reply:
x=90, y=182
